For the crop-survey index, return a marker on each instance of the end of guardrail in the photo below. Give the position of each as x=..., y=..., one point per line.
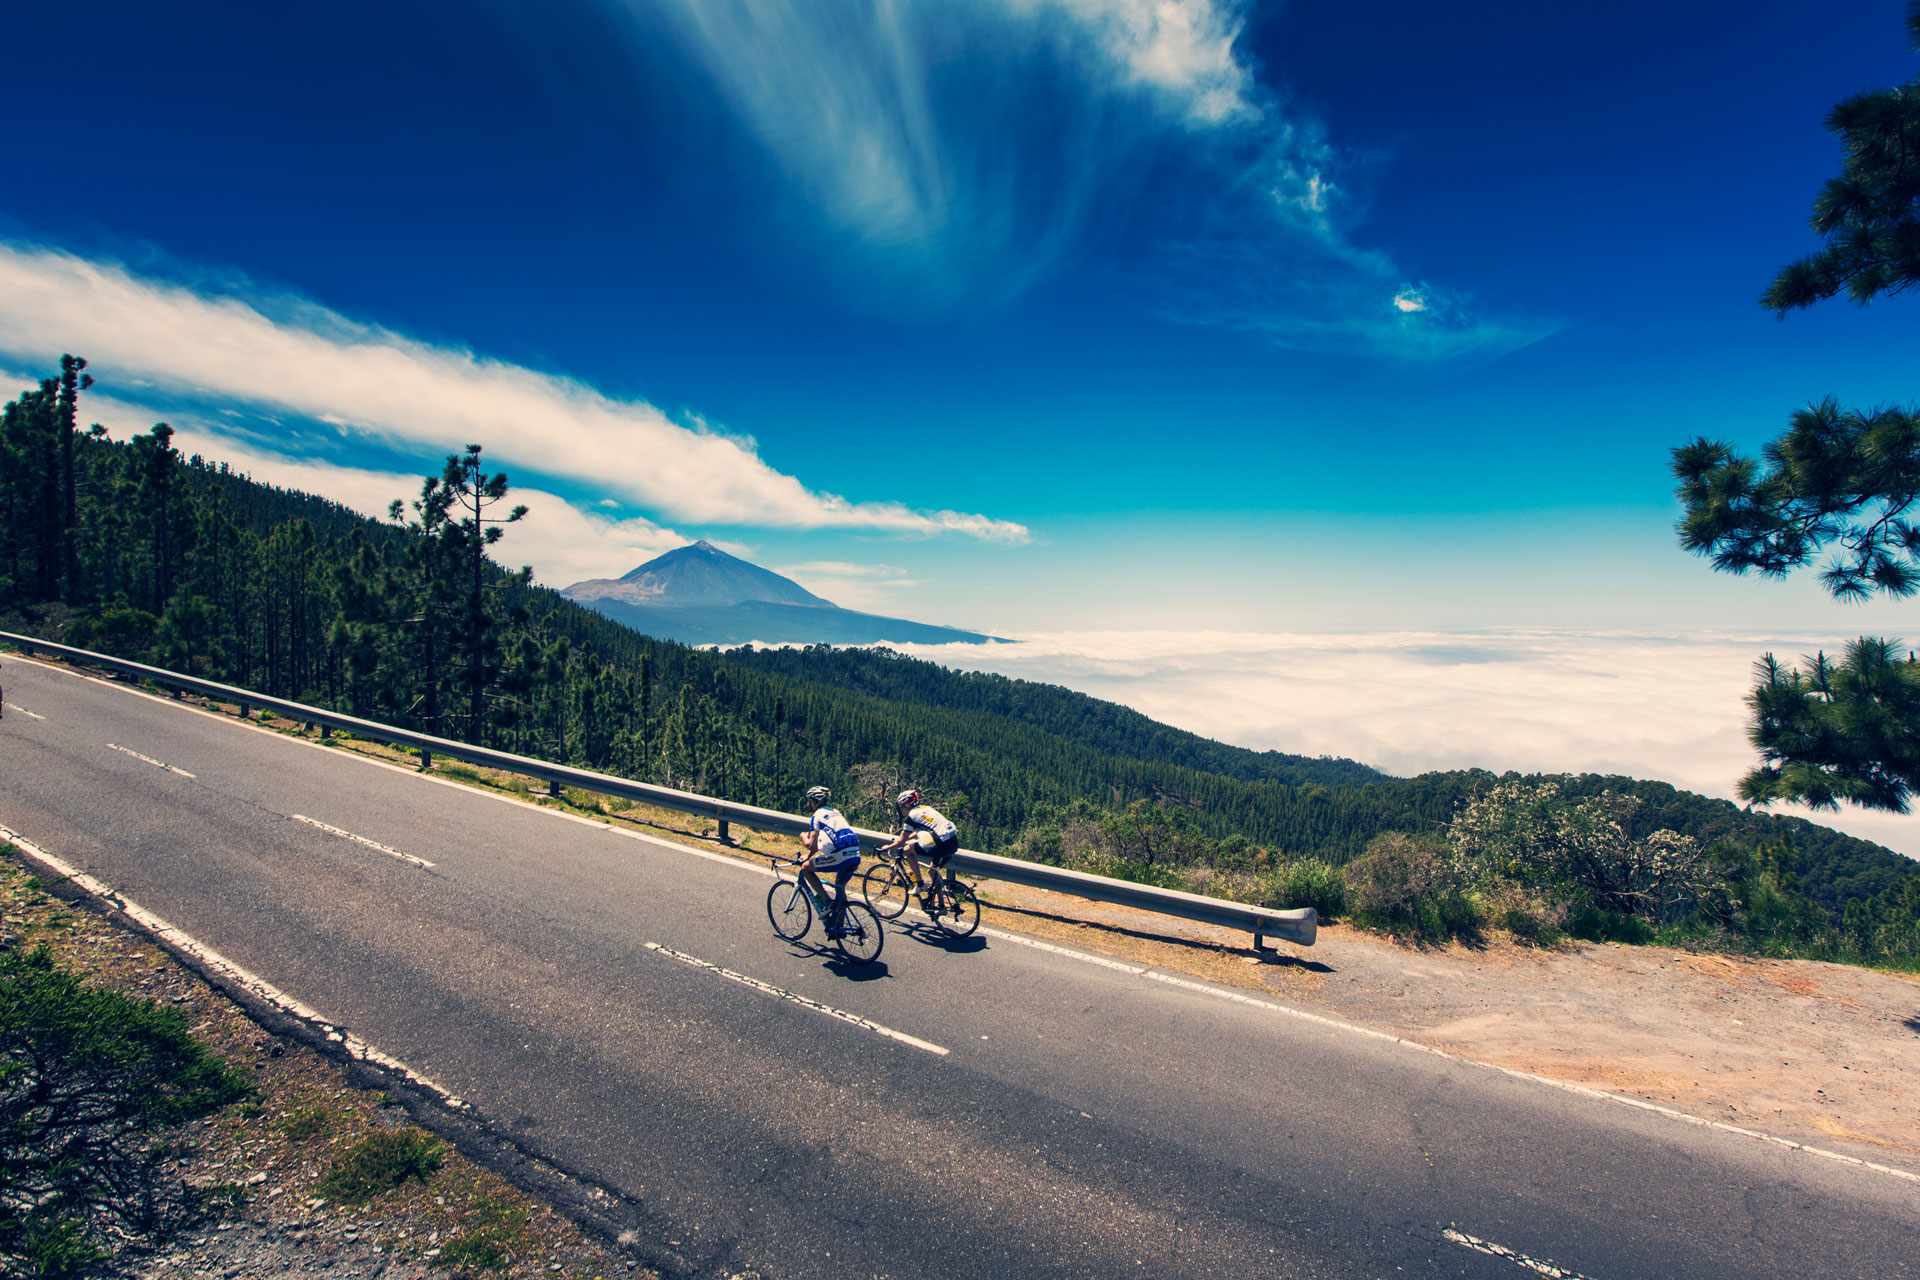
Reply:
x=1300, y=927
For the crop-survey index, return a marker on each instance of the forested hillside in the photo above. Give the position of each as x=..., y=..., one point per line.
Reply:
x=1107, y=726
x=132, y=549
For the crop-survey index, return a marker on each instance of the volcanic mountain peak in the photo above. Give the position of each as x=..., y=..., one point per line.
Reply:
x=699, y=594
x=697, y=576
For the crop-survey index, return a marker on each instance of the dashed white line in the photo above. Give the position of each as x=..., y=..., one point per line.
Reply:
x=371, y=844
x=175, y=940
x=158, y=764
x=1491, y=1249
x=31, y=715
x=767, y=988
x=1333, y=1023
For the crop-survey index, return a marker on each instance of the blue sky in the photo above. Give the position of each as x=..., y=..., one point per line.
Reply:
x=1304, y=316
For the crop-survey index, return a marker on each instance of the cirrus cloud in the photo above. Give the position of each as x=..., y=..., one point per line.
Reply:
x=976, y=148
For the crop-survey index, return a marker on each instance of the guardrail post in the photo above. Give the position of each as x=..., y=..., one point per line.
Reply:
x=554, y=789
x=325, y=732
x=426, y=758
x=724, y=837
x=246, y=712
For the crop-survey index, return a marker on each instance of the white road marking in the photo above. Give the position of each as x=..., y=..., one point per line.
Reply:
x=371, y=844
x=1082, y=956
x=175, y=940
x=14, y=706
x=1488, y=1247
x=1335, y=1024
x=158, y=764
x=782, y=993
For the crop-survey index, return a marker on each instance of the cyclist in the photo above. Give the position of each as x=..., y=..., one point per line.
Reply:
x=924, y=829
x=832, y=845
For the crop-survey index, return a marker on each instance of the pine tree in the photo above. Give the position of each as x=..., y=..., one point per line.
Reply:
x=1838, y=478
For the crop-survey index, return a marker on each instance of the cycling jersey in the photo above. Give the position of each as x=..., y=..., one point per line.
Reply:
x=842, y=843
x=926, y=818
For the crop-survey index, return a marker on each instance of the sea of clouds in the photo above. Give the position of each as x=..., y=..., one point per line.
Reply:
x=1665, y=706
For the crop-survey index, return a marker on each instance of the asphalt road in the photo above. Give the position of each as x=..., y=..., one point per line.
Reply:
x=1077, y=1120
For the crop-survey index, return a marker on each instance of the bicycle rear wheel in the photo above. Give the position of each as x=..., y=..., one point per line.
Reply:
x=861, y=933
x=885, y=889
x=960, y=915
x=789, y=910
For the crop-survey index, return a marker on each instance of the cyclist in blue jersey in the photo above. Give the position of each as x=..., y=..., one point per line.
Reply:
x=924, y=829
x=832, y=845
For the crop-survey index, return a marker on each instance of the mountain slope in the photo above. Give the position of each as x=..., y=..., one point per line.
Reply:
x=1079, y=717
x=698, y=576
x=701, y=595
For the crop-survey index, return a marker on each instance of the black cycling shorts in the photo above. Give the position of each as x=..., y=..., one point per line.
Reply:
x=943, y=850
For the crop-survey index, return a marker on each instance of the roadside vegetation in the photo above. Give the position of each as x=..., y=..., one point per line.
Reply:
x=1525, y=857
x=147, y=1126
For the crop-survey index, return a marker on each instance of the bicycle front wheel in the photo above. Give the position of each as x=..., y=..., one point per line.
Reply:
x=861, y=934
x=789, y=910
x=885, y=889
x=960, y=914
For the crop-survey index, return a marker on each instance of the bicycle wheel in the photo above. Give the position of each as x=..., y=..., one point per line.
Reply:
x=789, y=910
x=960, y=915
x=861, y=934
x=886, y=890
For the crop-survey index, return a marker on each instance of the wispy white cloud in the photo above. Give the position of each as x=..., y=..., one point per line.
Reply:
x=847, y=569
x=976, y=147
x=1669, y=707
x=851, y=585
x=1183, y=49
x=285, y=355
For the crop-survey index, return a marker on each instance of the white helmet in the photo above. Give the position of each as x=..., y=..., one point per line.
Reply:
x=816, y=795
x=908, y=798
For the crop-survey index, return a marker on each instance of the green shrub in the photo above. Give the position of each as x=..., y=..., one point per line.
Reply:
x=1308, y=882
x=306, y=1122
x=380, y=1162
x=86, y=1076
x=1404, y=884
x=487, y=1243
x=1595, y=925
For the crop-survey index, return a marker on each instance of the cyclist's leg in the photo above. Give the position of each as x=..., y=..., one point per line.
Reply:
x=839, y=903
x=811, y=879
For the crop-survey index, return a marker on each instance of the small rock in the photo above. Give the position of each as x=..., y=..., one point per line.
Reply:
x=255, y=1179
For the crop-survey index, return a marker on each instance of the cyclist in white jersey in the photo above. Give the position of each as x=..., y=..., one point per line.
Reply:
x=923, y=829
x=832, y=845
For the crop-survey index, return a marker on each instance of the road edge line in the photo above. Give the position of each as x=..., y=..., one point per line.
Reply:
x=177, y=940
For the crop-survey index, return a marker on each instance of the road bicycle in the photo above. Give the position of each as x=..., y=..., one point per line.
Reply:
x=950, y=902
x=853, y=927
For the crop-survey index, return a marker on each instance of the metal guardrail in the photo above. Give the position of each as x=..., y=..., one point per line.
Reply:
x=1297, y=926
